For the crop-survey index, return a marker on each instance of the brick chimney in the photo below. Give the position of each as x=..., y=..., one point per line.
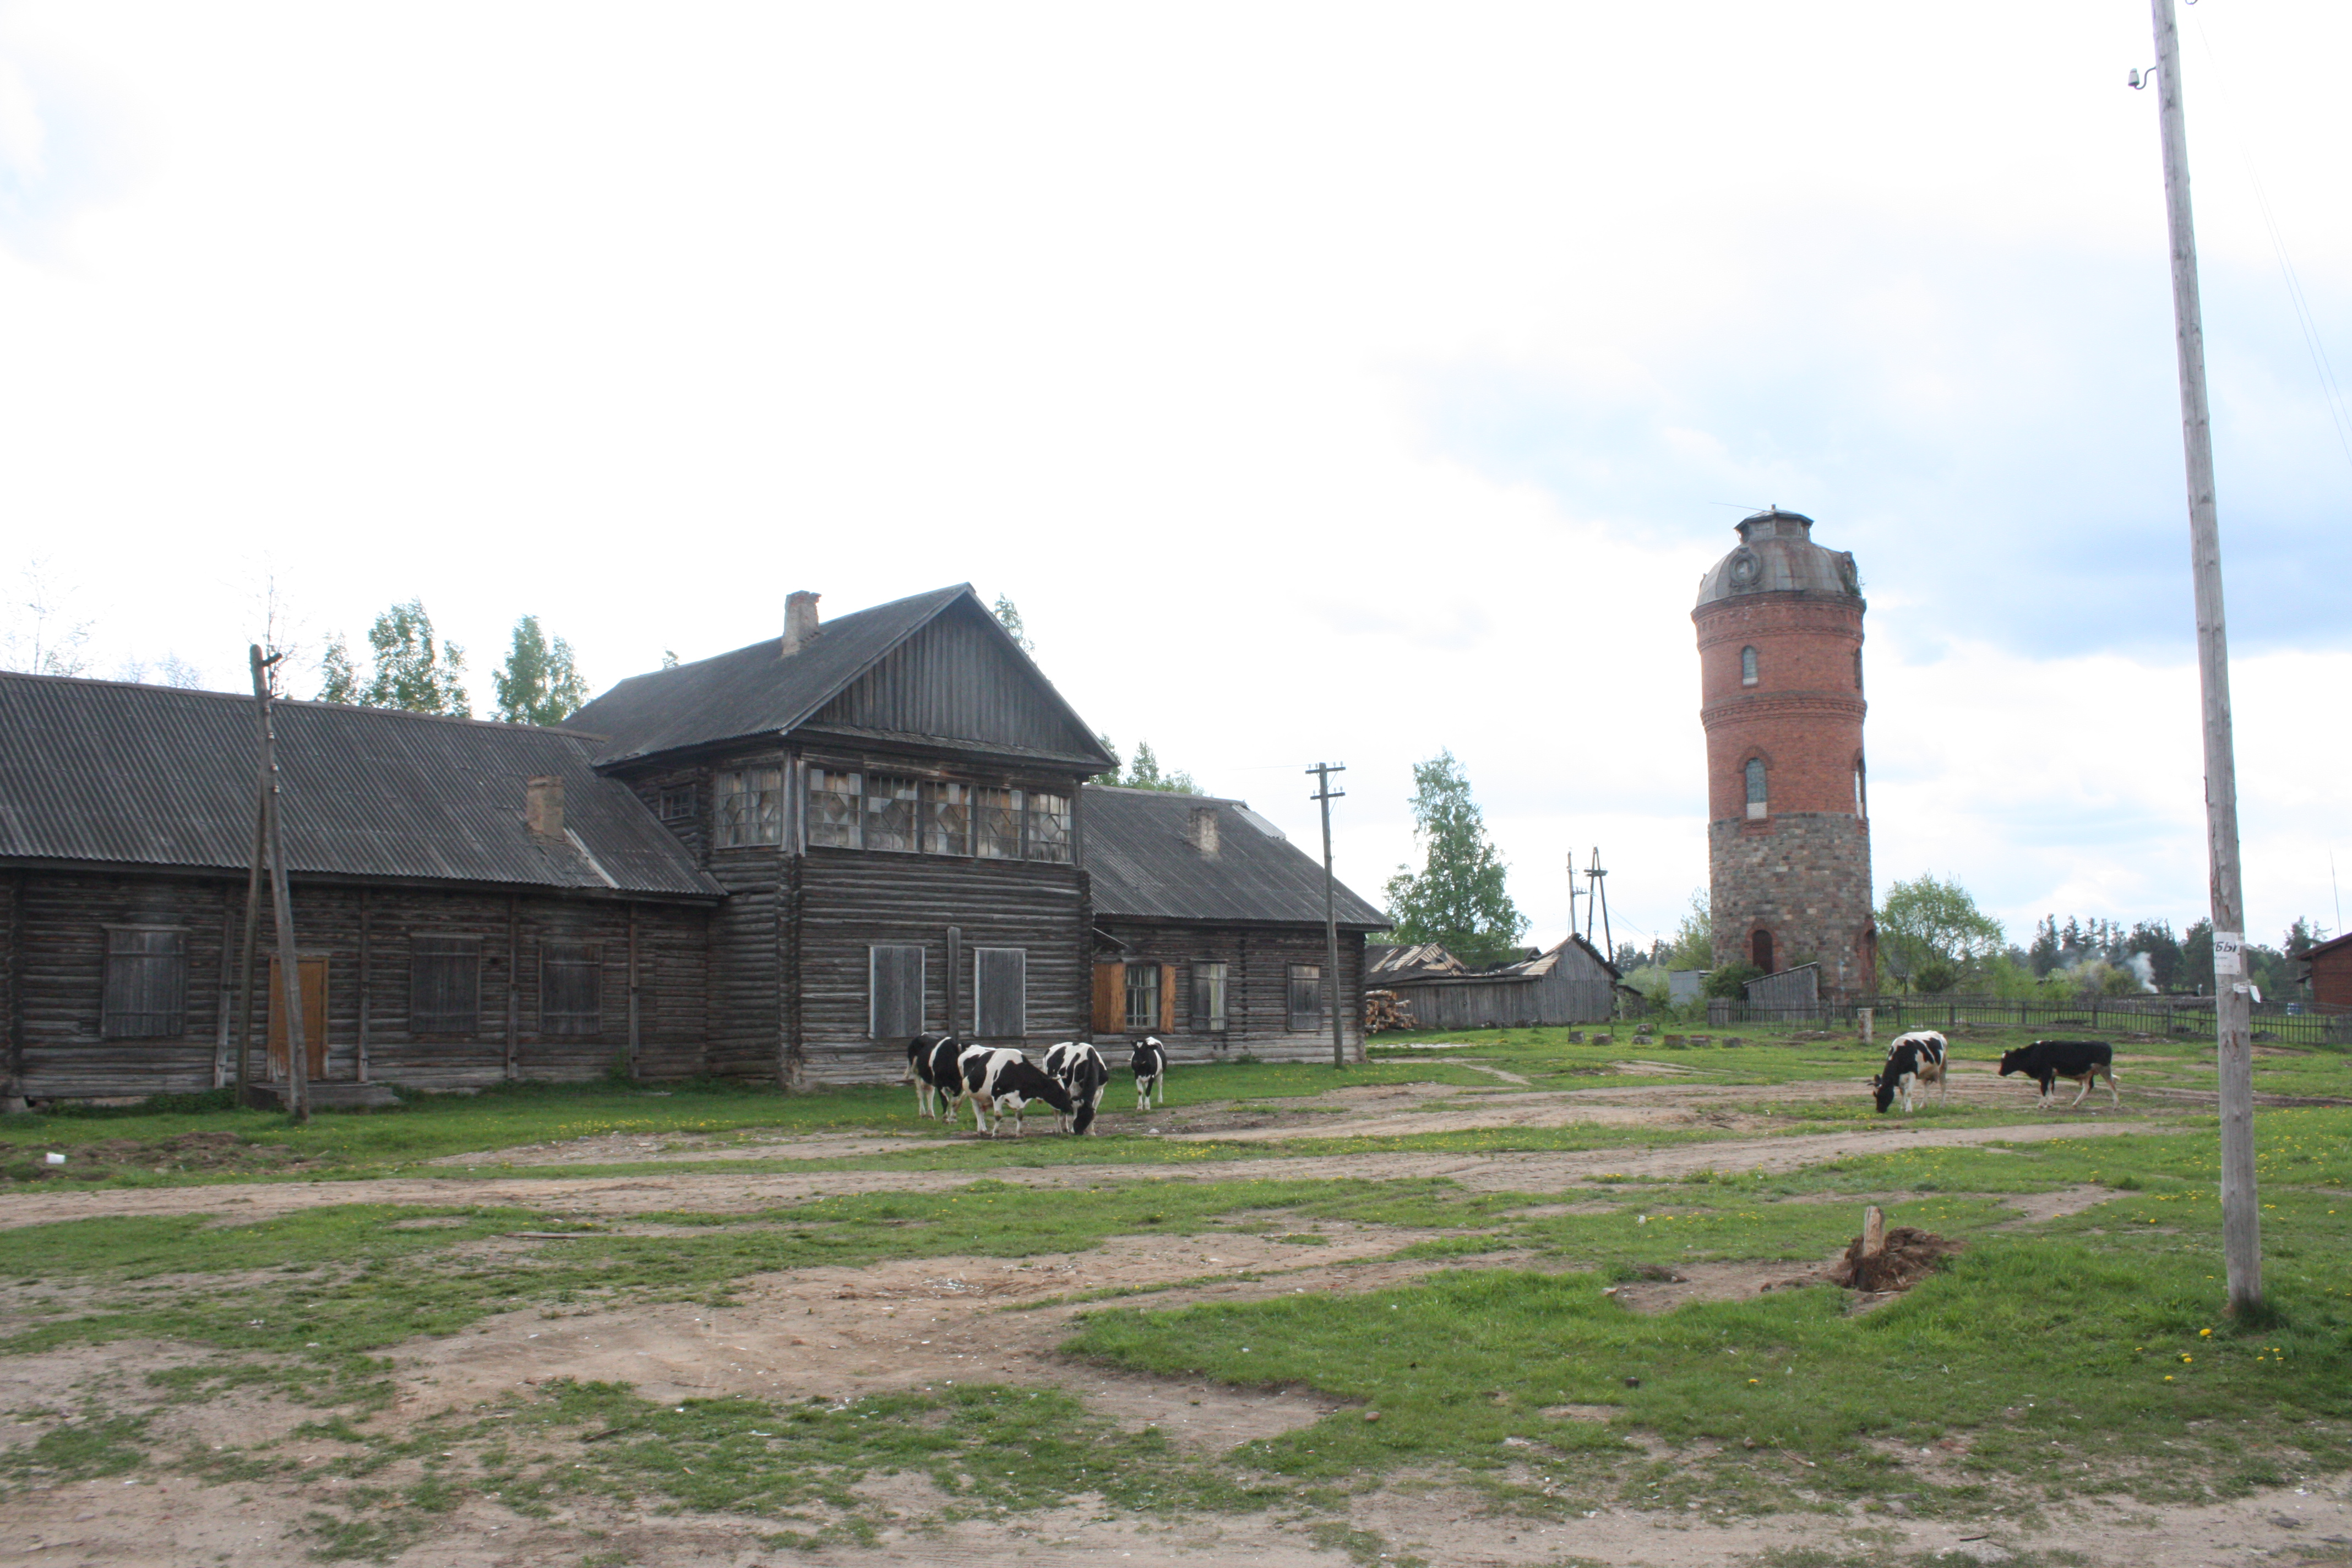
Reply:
x=800, y=621
x=1202, y=832
x=542, y=807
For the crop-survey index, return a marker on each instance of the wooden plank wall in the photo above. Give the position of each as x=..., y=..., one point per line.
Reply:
x=60, y=942
x=1257, y=984
x=851, y=900
x=1577, y=990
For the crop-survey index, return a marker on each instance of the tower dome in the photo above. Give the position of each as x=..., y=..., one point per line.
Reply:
x=1780, y=643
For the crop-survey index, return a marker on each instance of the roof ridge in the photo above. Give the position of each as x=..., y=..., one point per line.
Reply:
x=216, y=694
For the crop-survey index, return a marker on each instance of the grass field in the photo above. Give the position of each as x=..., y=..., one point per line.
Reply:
x=1486, y=1347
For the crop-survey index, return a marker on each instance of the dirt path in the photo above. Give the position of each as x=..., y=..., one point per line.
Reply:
x=1542, y=1171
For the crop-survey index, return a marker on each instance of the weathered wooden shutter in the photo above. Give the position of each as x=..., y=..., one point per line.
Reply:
x=1167, y=998
x=444, y=985
x=1001, y=1008
x=146, y=984
x=1306, y=997
x=571, y=988
x=894, y=992
x=1110, y=998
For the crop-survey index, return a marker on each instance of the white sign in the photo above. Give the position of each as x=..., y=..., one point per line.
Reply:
x=2229, y=952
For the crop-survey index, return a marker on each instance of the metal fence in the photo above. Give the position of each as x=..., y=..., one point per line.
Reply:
x=2187, y=1016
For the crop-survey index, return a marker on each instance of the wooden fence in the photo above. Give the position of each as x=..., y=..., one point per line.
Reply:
x=2184, y=1017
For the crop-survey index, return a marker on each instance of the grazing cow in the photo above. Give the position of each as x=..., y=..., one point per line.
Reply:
x=977, y=1068
x=1007, y=1083
x=931, y=1068
x=1912, y=1060
x=1083, y=1074
x=2046, y=1061
x=1151, y=1065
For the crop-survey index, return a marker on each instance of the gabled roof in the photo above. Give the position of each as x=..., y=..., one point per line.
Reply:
x=114, y=773
x=1397, y=966
x=757, y=690
x=1387, y=965
x=1140, y=856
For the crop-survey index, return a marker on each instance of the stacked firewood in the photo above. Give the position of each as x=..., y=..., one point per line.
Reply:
x=1384, y=1013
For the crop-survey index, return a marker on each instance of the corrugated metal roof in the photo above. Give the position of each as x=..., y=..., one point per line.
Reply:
x=147, y=775
x=756, y=691
x=1140, y=856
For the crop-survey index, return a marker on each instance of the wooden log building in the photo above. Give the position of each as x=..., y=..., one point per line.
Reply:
x=781, y=862
x=1569, y=984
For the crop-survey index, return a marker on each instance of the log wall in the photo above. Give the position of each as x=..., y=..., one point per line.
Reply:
x=54, y=965
x=1258, y=987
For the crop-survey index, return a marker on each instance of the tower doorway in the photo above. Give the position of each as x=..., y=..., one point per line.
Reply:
x=1759, y=951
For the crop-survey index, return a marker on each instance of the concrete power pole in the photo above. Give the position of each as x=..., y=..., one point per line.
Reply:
x=1326, y=795
x=2242, y=1236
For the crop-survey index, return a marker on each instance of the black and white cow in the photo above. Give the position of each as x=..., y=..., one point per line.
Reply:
x=1151, y=1065
x=1079, y=1068
x=1913, y=1061
x=931, y=1068
x=1002, y=1082
x=977, y=1069
x=2046, y=1061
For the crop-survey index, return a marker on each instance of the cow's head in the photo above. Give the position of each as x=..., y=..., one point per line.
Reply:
x=1885, y=1095
x=2012, y=1061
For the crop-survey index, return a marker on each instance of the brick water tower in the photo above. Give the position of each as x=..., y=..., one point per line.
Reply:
x=1788, y=834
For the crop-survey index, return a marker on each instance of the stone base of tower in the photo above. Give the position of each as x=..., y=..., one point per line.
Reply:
x=1803, y=878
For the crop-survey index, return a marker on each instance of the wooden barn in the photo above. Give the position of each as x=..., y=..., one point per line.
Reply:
x=783, y=862
x=1209, y=934
x=1569, y=984
x=472, y=901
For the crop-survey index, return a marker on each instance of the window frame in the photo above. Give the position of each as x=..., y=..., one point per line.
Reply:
x=1149, y=989
x=584, y=964
x=984, y=999
x=1046, y=833
x=1756, y=787
x=677, y=803
x=759, y=822
x=1311, y=975
x=1211, y=998
x=127, y=971
x=1750, y=665
x=891, y=809
x=459, y=947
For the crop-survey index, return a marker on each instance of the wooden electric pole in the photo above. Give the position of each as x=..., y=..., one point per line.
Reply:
x=2242, y=1236
x=1326, y=795
x=289, y=961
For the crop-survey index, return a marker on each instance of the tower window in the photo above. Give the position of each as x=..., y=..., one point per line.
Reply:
x=1759, y=951
x=1756, y=796
x=1857, y=670
x=1861, y=789
x=1748, y=666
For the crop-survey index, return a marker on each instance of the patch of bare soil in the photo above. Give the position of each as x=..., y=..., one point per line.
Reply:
x=1670, y=1288
x=2038, y=1208
x=201, y=1151
x=1909, y=1256
x=622, y=1148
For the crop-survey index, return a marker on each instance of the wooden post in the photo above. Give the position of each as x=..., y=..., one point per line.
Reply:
x=2241, y=1239
x=17, y=993
x=1863, y=1016
x=636, y=1041
x=225, y=1009
x=514, y=982
x=252, y=933
x=1873, y=1231
x=289, y=958
x=955, y=977
x=1326, y=795
x=359, y=1069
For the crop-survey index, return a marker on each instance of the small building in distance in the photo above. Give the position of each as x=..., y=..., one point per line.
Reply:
x=2328, y=970
x=1569, y=984
x=1209, y=933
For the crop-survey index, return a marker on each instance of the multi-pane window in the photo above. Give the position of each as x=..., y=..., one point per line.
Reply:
x=751, y=807
x=996, y=824
x=1756, y=796
x=1857, y=670
x=146, y=993
x=834, y=813
x=946, y=819
x=1142, y=997
x=444, y=985
x=571, y=988
x=1049, y=826
x=1000, y=993
x=1748, y=666
x=1861, y=789
x=677, y=803
x=890, y=812
x=1306, y=997
x=894, y=990
x=1209, y=998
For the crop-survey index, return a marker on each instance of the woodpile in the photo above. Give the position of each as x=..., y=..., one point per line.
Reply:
x=1384, y=1013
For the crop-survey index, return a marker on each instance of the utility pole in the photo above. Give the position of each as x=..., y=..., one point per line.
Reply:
x=1597, y=899
x=2242, y=1236
x=289, y=961
x=1572, y=894
x=1326, y=795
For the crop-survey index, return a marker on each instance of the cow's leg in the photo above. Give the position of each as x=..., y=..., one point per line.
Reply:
x=2112, y=1095
x=2081, y=1087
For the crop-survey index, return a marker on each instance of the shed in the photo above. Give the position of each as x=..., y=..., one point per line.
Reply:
x=1569, y=984
x=2327, y=969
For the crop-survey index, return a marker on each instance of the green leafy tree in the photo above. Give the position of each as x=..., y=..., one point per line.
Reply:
x=1008, y=614
x=411, y=671
x=1459, y=898
x=1693, y=945
x=539, y=683
x=1732, y=979
x=1110, y=774
x=1145, y=772
x=1932, y=929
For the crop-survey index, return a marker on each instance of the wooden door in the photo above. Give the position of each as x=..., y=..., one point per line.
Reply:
x=314, y=1020
x=1110, y=998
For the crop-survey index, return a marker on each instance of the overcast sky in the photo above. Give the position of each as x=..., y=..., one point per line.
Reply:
x=1323, y=382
